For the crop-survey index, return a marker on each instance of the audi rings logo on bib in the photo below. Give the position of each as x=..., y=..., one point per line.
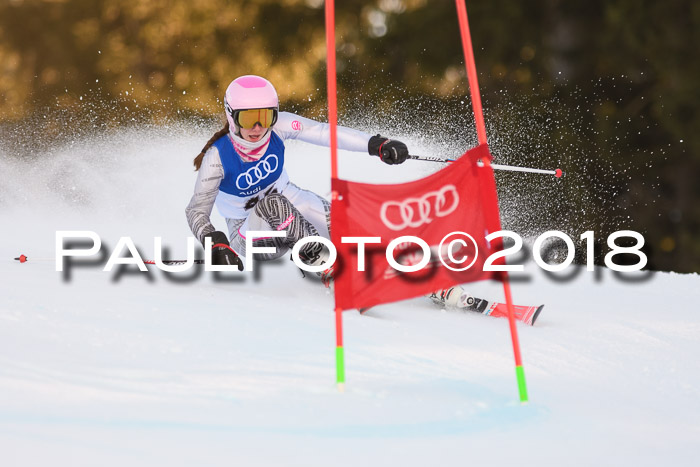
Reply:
x=259, y=172
x=414, y=212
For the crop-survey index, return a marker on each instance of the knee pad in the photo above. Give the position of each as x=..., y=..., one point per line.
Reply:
x=273, y=205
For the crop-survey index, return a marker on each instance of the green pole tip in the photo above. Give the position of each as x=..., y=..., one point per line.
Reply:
x=522, y=386
x=340, y=365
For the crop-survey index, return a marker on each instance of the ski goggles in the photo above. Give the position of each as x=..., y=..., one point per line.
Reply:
x=249, y=118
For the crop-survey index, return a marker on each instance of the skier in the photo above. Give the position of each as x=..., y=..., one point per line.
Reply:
x=241, y=169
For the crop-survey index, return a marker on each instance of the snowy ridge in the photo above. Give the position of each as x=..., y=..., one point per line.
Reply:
x=123, y=370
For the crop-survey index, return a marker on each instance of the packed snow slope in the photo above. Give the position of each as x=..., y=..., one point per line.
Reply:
x=147, y=369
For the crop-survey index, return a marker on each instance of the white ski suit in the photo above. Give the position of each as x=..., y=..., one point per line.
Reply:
x=252, y=195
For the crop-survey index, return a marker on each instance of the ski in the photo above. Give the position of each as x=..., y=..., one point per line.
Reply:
x=457, y=299
x=523, y=313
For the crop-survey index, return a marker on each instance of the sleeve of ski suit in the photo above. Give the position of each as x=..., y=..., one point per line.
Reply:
x=206, y=188
x=292, y=126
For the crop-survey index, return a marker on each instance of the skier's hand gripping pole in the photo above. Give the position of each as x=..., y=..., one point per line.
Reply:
x=390, y=151
x=221, y=252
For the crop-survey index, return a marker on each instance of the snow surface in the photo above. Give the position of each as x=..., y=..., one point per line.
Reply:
x=141, y=369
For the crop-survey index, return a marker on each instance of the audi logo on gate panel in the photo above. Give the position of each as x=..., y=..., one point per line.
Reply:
x=414, y=212
x=259, y=172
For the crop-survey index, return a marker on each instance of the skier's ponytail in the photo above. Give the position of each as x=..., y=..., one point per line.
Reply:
x=198, y=160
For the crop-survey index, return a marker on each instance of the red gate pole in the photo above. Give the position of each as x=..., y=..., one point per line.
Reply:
x=471, y=70
x=333, y=122
x=481, y=134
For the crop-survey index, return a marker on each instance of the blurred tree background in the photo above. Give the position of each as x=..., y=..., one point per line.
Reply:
x=606, y=89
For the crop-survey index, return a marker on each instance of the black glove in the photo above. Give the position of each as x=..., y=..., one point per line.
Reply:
x=390, y=151
x=221, y=252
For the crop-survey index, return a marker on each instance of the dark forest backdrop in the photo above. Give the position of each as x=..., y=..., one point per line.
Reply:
x=606, y=89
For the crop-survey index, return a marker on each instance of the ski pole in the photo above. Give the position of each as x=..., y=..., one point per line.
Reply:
x=172, y=261
x=557, y=173
x=25, y=258
x=169, y=262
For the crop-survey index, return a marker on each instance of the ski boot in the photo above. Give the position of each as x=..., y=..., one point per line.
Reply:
x=315, y=254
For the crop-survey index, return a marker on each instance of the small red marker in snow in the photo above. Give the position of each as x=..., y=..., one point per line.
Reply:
x=21, y=259
x=558, y=173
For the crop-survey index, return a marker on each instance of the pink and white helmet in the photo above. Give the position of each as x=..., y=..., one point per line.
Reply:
x=249, y=92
